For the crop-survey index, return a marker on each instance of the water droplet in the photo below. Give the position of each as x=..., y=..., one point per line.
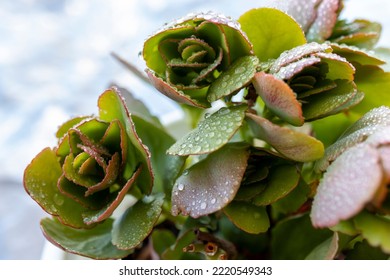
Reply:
x=197, y=149
x=207, y=115
x=211, y=134
x=257, y=215
x=203, y=205
x=186, y=172
x=213, y=201
x=58, y=199
x=224, y=84
x=224, y=111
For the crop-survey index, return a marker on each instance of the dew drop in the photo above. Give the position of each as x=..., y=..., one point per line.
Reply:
x=224, y=111
x=196, y=149
x=58, y=199
x=186, y=172
x=203, y=205
x=213, y=201
x=224, y=84
x=180, y=187
x=207, y=115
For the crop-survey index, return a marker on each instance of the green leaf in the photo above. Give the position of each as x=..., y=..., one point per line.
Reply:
x=40, y=181
x=373, y=121
x=292, y=144
x=162, y=239
x=375, y=229
x=279, y=98
x=212, y=133
x=166, y=167
x=346, y=227
x=327, y=250
x=212, y=183
x=281, y=181
x=363, y=251
x=112, y=107
x=248, y=217
x=137, y=222
x=63, y=129
x=271, y=32
x=92, y=243
x=354, y=54
x=375, y=83
x=234, y=78
x=175, y=252
x=193, y=98
x=294, y=238
x=330, y=102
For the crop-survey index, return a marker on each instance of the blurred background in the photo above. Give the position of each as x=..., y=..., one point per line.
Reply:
x=55, y=60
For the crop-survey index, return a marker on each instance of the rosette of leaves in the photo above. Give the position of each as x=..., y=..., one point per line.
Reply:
x=306, y=83
x=187, y=57
x=84, y=179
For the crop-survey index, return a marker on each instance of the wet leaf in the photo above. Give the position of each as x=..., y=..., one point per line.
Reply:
x=40, y=181
x=234, y=78
x=212, y=133
x=248, y=217
x=326, y=17
x=300, y=230
x=375, y=83
x=329, y=103
x=93, y=243
x=373, y=121
x=113, y=107
x=292, y=144
x=354, y=54
x=327, y=250
x=295, y=9
x=271, y=32
x=375, y=229
x=279, y=98
x=63, y=129
x=137, y=222
x=281, y=181
x=350, y=182
x=210, y=184
x=295, y=54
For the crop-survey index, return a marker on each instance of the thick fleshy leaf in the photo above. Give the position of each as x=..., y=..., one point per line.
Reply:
x=350, y=182
x=113, y=107
x=166, y=167
x=280, y=182
x=40, y=181
x=375, y=83
x=162, y=239
x=91, y=217
x=174, y=93
x=63, y=129
x=326, y=17
x=375, y=120
x=271, y=32
x=248, y=217
x=292, y=69
x=234, y=78
x=338, y=67
x=212, y=183
x=327, y=250
x=137, y=222
x=291, y=55
x=212, y=133
x=375, y=229
x=299, y=229
x=175, y=252
x=354, y=54
x=92, y=243
x=330, y=102
x=292, y=144
x=279, y=98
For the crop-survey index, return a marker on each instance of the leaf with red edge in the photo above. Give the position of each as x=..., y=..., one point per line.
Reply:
x=350, y=182
x=112, y=106
x=40, y=181
x=326, y=18
x=92, y=243
x=212, y=183
x=292, y=144
x=278, y=97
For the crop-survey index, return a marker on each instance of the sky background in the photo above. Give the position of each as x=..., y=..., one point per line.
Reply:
x=55, y=60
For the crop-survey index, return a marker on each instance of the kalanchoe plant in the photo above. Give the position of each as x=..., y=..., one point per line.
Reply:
x=296, y=146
